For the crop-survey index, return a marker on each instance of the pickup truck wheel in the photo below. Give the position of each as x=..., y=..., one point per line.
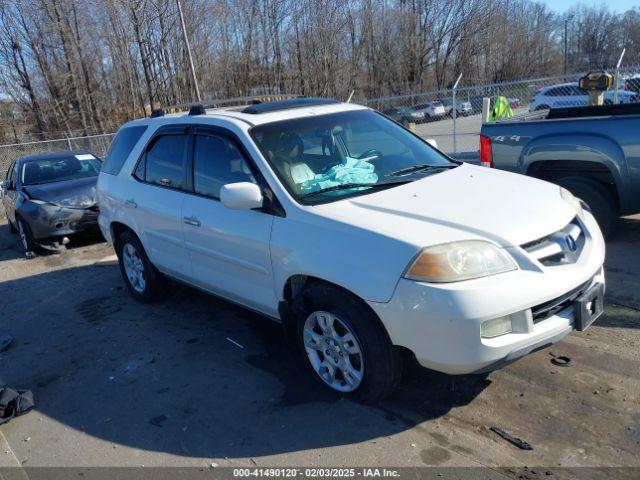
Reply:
x=597, y=198
x=142, y=278
x=344, y=345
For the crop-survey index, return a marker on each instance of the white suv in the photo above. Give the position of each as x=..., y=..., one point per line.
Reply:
x=571, y=95
x=430, y=110
x=360, y=237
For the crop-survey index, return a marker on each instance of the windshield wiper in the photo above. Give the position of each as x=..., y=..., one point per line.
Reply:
x=347, y=186
x=418, y=168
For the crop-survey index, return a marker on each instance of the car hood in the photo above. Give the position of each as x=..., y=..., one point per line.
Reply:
x=467, y=202
x=78, y=193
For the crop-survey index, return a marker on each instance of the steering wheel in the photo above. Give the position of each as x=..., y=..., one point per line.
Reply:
x=370, y=154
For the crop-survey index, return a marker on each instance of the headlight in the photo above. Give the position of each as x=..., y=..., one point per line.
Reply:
x=457, y=261
x=568, y=197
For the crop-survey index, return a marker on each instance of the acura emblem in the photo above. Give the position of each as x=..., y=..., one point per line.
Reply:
x=571, y=243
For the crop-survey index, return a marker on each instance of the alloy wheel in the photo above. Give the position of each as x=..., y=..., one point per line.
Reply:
x=133, y=267
x=333, y=351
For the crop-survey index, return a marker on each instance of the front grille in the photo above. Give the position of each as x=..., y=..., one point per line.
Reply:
x=559, y=248
x=548, y=309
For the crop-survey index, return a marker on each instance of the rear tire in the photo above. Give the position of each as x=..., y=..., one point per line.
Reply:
x=597, y=198
x=143, y=279
x=355, y=357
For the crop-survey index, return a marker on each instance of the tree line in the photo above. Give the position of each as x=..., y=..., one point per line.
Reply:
x=76, y=67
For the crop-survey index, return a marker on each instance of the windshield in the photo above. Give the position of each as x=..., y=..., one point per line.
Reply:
x=59, y=169
x=317, y=158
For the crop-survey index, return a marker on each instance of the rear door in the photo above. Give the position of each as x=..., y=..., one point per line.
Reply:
x=229, y=249
x=155, y=200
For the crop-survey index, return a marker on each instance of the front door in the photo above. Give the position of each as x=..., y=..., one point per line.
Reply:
x=229, y=249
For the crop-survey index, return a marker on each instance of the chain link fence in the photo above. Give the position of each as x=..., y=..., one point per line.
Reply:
x=430, y=114
x=96, y=144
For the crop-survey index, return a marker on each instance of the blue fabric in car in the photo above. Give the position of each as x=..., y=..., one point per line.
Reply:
x=351, y=170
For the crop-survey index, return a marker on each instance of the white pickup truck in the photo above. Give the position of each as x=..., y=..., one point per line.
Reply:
x=361, y=238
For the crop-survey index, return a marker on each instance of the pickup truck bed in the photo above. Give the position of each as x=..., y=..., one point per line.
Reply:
x=592, y=151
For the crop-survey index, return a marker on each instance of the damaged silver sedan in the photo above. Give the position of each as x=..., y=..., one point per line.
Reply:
x=49, y=196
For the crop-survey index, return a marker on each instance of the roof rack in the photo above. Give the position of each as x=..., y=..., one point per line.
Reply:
x=301, y=102
x=197, y=109
x=157, y=112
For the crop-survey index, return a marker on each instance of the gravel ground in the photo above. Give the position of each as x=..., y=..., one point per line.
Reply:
x=119, y=383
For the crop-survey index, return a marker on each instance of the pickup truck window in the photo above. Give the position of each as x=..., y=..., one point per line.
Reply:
x=321, y=153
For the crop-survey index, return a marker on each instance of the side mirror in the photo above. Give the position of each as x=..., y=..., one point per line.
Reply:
x=241, y=196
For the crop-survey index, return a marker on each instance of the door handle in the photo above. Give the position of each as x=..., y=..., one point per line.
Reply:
x=193, y=221
x=131, y=203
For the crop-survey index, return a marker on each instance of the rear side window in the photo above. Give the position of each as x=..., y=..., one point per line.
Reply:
x=120, y=148
x=217, y=162
x=165, y=161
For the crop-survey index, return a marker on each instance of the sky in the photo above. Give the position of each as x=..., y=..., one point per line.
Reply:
x=615, y=5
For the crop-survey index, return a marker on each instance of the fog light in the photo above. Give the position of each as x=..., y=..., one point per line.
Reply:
x=496, y=327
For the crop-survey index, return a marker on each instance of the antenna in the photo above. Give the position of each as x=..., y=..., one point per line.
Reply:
x=350, y=96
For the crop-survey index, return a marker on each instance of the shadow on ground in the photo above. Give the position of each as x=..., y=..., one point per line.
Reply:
x=166, y=377
x=191, y=376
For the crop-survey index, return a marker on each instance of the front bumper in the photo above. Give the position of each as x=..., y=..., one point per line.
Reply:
x=51, y=221
x=440, y=323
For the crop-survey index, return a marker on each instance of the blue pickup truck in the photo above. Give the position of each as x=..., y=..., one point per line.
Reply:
x=592, y=151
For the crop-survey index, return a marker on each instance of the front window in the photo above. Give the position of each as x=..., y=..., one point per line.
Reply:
x=217, y=162
x=60, y=169
x=329, y=157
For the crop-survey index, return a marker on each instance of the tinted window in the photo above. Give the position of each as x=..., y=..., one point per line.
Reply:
x=59, y=169
x=120, y=148
x=165, y=161
x=216, y=162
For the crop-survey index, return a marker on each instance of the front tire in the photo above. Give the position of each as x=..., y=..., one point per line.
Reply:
x=25, y=236
x=597, y=198
x=143, y=279
x=344, y=345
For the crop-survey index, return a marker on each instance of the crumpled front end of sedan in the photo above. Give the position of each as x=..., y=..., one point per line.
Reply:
x=56, y=210
x=51, y=223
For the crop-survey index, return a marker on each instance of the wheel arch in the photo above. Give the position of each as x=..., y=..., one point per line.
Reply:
x=295, y=285
x=550, y=157
x=596, y=172
x=118, y=228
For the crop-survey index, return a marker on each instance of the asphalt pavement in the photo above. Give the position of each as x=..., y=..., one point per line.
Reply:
x=196, y=381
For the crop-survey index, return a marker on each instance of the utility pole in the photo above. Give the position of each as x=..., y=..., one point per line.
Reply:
x=186, y=42
x=566, y=23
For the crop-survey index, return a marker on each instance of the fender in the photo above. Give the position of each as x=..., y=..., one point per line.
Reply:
x=363, y=263
x=579, y=147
